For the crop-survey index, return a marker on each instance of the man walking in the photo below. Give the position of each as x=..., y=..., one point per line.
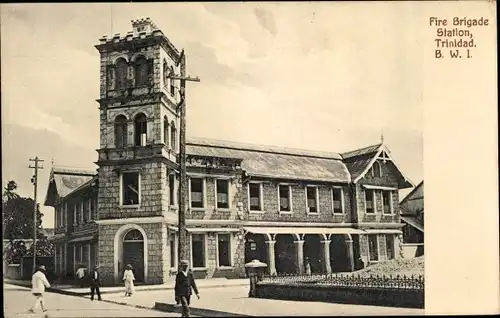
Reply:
x=39, y=282
x=184, y=282
x=95, y=283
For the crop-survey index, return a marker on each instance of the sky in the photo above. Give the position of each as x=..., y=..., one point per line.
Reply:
x=320, y=76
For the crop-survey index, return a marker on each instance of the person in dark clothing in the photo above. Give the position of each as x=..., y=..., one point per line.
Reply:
x=184, y=282
x=95, y=283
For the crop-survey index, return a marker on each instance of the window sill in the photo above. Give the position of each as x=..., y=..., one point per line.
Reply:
x=199, y=269
x=225, y=267
x=223, y=209
x=131, y=206
x=197, y=209
x=256, y=212
x=338, y=213
x=313, y=213
x=285, y=212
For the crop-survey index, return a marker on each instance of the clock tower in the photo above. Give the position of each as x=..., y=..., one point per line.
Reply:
x=137, y=157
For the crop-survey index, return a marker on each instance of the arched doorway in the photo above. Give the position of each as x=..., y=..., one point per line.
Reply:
x=285, y=253
x=133, y=253
x=339, y=260
x=313, y=252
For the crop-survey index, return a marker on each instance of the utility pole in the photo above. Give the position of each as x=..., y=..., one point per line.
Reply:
x=183, y=251
x=34, y=180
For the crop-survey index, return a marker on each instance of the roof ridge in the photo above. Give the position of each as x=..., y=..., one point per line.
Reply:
x=208, y=142
x=347, y=153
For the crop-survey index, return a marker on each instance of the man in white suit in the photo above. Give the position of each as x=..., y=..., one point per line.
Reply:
x=39, y=282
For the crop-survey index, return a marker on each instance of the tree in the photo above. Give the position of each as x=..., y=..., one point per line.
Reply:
x=9, y=191
x=18, y=215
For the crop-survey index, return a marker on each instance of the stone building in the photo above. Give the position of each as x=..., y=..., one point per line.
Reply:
x=339, y=212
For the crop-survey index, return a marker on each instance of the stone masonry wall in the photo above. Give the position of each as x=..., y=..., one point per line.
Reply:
x=388, y=179
x=150, y=190
x=210, y=212
x=156, y=254
x=299, y=213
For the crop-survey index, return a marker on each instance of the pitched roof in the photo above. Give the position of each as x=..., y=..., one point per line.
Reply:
x=64, y=180
x=275, y=162
x=414, y=201
x=361, y=152
x=413, y=221
x=358, y=160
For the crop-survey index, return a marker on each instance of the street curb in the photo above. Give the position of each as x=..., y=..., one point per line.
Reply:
x=67, y=292
x=165, y=307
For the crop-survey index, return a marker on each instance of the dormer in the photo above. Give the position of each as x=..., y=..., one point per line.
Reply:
x=143, y=26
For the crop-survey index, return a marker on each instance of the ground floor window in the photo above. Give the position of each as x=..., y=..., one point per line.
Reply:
x=389, y=244
x=172, y=252
x=86, y=255
x=224, y=246
x=373, y=247
x=198, y=250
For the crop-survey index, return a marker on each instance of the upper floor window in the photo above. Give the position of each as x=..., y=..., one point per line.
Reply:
x=312, y=199
x=222, y=189
x=285, y=196
x=142, y=72
x=387, y=202
x=165, y=130
x=93, y=208
x=130, y=188
x=121, y=131
x=86, y=210
x=121, y=73
x=255, y=196
x=376, y=169
x=197, y=195
x=369, y=201
x=173, y=134
x=77, y=213
x=166, y=72
x=171, y=188
x=172, y=82
x=140, y=123
x=338, y=200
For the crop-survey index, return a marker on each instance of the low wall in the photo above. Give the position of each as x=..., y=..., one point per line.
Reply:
x=391, y=297
x=412, y=250
x=12, y=271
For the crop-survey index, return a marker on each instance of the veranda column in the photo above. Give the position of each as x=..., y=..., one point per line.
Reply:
x=299, y=245
x=350, y=254
x=270, y=257
x=326, y=256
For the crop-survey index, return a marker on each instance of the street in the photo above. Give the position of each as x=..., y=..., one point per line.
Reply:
x=17, y=301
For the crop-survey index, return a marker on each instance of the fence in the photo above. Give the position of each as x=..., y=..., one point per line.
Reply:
x=350, y=280
x=396, y=291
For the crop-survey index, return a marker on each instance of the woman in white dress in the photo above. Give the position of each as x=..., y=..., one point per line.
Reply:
x=128, y=277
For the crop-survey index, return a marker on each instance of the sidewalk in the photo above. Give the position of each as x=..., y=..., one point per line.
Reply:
x=76, y=291
x=233, y=301
x=229, y=298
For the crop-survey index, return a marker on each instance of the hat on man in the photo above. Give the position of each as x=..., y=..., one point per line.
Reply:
x=128, y=266
x=184, y=262
x=41, y=267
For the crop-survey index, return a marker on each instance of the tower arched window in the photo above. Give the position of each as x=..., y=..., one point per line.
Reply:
x=172, y=86
x=141, y=69
x=121, y=73
x=173, y=134
x=165, y=130
x=166, y=71
x=376, y=169
x=121, y=131
x=140, y=123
